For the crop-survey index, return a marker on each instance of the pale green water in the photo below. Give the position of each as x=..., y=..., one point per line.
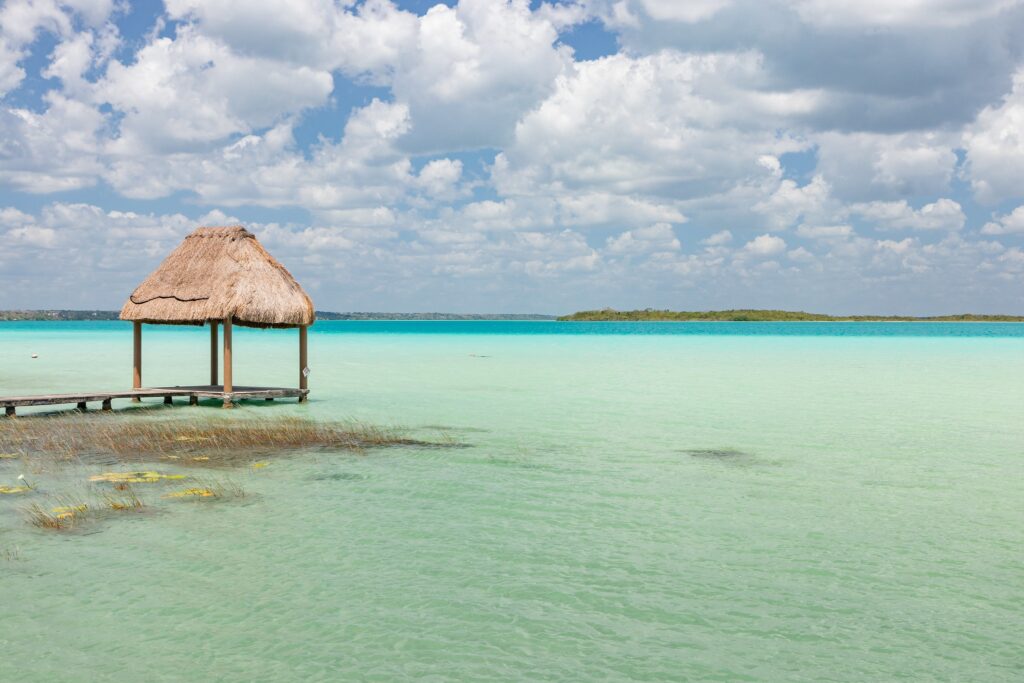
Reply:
x=871, y=527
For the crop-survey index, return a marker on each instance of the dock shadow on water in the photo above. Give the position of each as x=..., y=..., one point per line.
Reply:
x=117, y=463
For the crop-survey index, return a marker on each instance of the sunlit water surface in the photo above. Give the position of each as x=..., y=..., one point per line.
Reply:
x=648, y=502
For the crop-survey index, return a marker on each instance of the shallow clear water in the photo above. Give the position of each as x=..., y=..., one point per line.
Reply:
x=726, y=501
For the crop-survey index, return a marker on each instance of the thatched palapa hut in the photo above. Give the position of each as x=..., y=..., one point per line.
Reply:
x=222, y=275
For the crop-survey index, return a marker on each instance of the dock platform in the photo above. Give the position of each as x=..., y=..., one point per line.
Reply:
x=194, y=394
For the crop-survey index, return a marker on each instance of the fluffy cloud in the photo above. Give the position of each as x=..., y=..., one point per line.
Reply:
x=1006, y=225
x=995, y=147
x=466, y=72
x=870, y=165
x=655, y=238
x=944, y=214
x=718, y=239
x=824, y=232
x=913, y=65
x=670, y=10
x=887, y=13
x=191, y=90
x=650, y=132
x=765, y=245
x=53, y=151
x=362, y=169
x=11, y=74
x=440, y=177
x=475, y=70
x=791, y=203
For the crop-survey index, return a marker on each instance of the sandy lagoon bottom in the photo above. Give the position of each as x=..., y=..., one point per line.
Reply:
x=710, y=506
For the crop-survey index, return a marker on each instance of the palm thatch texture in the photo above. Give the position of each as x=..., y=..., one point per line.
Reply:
x=219, y=273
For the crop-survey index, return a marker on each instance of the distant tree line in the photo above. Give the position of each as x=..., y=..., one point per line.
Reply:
x=58, y=314
x=755, y=315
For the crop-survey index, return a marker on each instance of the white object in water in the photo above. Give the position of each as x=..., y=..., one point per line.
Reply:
x=35, y=355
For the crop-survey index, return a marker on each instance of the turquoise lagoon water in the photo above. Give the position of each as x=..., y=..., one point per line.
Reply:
x=671, y=501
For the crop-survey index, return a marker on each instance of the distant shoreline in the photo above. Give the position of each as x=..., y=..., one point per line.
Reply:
x=605, y=315
x=85, y=315
x=758, y=315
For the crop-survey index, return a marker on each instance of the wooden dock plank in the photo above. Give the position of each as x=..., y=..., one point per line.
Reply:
x=194, y=393
x=83, y=397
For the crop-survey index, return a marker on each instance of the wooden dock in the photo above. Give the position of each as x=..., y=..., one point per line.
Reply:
x=81, y=400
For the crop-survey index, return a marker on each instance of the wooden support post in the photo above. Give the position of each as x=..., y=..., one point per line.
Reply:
x=81, y=407
x=10, y=411
x=303, y=361
x=106, y=404
x=168, y=401
x=213, y=352
x=228, y=386
x=193, y=400
x=137, y=364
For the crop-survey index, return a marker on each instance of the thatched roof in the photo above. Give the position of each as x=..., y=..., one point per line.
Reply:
x=217, y=272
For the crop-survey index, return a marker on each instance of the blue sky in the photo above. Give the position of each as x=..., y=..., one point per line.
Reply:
x=493, y=155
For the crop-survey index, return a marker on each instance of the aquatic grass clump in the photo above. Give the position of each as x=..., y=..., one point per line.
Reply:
x=125, y=500
x=216, y=442
x=67, y=512
x=209, y=489
x=60, y=517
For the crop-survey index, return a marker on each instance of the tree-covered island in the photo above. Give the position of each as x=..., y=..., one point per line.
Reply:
x=757, y=315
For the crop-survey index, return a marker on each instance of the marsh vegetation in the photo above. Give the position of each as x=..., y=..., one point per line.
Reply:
x=209, y=442
x=98, y=465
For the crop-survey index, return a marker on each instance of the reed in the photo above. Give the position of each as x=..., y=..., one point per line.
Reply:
x=125, y=500
x=62, y=517
x=127, y=445
x=49, y=440
x=64, y=512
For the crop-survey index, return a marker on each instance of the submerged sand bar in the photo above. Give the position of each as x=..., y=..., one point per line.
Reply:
x=194, y=393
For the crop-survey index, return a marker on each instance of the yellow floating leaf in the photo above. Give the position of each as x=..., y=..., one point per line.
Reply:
x=71, y=508
x=14, y=489
x=258, y=465
x=192, y=493
x=200, y=458
x=69, y=511
x=8, y=456
x=133, y=477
